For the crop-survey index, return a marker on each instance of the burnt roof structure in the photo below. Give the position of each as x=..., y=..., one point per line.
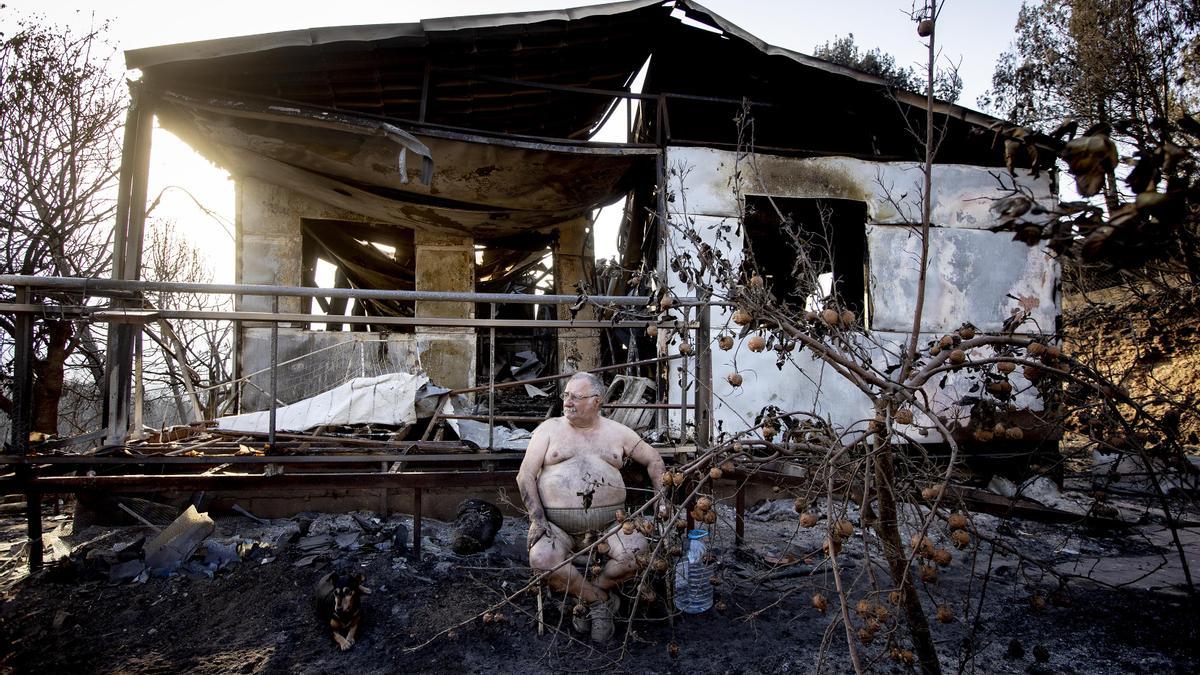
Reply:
x=504, y=105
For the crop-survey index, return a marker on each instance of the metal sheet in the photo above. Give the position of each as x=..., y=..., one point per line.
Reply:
x=700, y=12
x=974, y=277
x=207, y=49
x=807, y=384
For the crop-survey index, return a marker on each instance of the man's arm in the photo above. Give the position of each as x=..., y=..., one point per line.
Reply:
x=648, y=457
x=531, y=467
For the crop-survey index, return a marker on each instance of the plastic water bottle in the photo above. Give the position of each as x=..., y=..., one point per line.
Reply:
x=693, y=591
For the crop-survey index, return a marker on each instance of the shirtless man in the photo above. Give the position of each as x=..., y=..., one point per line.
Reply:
x=571, y=483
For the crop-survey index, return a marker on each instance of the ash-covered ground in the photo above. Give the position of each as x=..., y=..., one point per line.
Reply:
x=249, y=609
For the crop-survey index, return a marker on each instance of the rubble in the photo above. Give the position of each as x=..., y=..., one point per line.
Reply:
x=174, y=545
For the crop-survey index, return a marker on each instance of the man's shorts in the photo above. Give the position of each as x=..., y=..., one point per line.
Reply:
x=577, y=522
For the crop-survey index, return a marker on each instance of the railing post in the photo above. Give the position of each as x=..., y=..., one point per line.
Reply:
x=22, y=418
x=274, y=370
x=138, y=423
x=662, y=373
x=492, y=380
x=686, y=336
x=703, y=398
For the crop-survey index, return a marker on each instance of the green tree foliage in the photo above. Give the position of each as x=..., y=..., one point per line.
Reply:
x=1126, y=63
x=845, y=52
x=1128, y=73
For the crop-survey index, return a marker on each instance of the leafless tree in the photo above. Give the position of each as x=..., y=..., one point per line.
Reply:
x=60, y=114
x=203, y=345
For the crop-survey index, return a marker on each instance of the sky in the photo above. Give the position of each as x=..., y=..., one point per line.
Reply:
x=972, y=35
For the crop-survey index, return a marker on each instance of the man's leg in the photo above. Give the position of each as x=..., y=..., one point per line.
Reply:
x=622, y=559
x=551, y=550
x=621, y=565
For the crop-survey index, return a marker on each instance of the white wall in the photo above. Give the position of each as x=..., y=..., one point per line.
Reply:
x=973, y=272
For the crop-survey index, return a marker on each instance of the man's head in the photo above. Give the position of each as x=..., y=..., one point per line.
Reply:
x=582, y=398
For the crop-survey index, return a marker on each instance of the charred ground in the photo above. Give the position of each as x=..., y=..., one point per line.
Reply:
x=256, y=616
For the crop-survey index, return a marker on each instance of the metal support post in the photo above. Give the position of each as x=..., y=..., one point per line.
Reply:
x=274, y=370
x=127, y=255
x=662, y=379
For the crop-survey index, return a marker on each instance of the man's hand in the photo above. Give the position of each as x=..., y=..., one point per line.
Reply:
x=537, y=530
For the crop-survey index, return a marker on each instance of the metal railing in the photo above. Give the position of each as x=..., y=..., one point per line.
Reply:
x=415, y=465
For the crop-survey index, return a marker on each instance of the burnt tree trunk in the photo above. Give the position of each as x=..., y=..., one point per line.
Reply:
x=888, y=528
x=48, y=377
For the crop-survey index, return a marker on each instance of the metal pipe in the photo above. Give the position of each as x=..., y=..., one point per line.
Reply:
x=79, y=283
x=22, y=387
x=139, y=392
x=222, y=482
x=645, y=406
x=250, y=460
x=563, y=376
x=94, y=313
x=497, y=418
x=683, y=386
x=661, y=379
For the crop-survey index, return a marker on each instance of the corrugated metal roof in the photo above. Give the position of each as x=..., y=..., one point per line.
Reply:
x=460, y=72
x=514, y=81
x=385, y=70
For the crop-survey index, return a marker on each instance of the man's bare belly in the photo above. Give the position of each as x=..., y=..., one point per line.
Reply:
x=585, y=481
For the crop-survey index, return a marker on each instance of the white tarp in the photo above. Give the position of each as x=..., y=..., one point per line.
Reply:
x=502, y=437
x=386, y=399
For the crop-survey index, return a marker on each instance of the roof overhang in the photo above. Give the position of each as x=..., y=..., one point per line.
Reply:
x=484, y=186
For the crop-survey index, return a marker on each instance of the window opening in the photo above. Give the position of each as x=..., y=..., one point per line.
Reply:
x=811, y=252
x=342, y=254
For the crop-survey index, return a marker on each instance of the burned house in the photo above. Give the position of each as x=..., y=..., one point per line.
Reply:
x=454, y=156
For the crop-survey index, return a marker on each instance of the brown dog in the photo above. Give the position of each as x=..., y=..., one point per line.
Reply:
x=338, y=597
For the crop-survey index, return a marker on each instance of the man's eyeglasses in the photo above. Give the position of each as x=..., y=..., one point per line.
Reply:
x=573, y=397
